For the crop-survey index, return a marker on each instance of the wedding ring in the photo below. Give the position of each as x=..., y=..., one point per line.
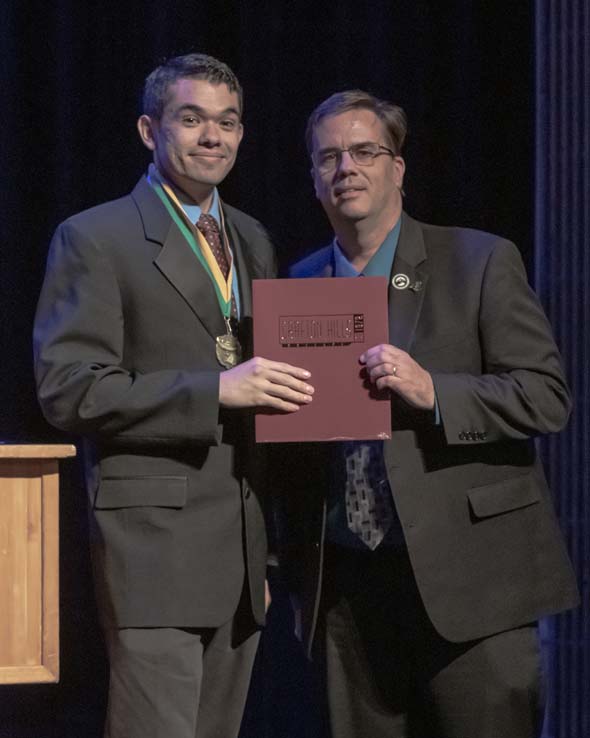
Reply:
x=394, y=371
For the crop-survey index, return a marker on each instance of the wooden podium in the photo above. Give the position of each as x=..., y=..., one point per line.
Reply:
x=29, y=566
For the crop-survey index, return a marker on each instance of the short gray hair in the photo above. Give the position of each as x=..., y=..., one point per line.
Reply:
x=392, y=116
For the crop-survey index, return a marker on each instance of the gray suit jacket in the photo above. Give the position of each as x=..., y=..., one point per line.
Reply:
x=478, y=521
x=125, y=356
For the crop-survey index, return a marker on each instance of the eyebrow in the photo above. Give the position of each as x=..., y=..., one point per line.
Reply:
x=191, y=107
x=337, y=148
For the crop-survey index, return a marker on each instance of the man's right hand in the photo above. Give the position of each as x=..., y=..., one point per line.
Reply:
x=263, y=383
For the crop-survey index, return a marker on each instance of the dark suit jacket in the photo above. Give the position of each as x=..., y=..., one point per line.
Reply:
x=481, y=533
x=125, y=356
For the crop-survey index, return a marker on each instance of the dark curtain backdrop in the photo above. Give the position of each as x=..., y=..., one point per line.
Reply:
x=562, y=279
x=71, y=75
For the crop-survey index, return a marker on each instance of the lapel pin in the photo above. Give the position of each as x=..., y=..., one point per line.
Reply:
x=400, y=281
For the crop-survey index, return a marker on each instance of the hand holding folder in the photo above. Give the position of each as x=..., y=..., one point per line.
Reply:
x=324, y=325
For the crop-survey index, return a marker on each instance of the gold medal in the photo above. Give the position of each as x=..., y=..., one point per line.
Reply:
x=227, y=348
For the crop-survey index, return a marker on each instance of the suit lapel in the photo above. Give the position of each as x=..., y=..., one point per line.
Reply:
x=409, y=273
x=241, y=265
x=328, y=268
x=323, y=262
x=410, y=263
x=176, y=260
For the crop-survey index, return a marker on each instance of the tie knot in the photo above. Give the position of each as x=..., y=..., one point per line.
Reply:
x=209, y=228
x=208, y=225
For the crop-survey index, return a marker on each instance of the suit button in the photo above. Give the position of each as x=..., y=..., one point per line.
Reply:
x=462, y=436
x=483, y=436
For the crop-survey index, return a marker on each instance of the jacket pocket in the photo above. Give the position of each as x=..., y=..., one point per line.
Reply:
x=121, y=492
x=500, y=497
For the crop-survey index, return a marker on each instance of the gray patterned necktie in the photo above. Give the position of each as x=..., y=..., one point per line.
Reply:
x=369, y=511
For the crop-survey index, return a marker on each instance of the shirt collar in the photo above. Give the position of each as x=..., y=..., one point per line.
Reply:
x=192, y=211
x=379, y=265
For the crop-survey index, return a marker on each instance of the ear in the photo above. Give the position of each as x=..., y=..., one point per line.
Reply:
x=399, y=168
x=240, y=134
x=145, y=127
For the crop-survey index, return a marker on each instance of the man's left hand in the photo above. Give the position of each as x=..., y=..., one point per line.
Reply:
x=391, y=368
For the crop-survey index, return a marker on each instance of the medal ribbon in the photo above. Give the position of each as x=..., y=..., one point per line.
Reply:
x=197, y=242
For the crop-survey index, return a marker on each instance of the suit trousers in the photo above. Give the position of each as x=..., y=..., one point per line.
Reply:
x=389, y=674
x=178, y=682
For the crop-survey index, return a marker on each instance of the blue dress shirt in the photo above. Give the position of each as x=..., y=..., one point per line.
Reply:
x=380, y=265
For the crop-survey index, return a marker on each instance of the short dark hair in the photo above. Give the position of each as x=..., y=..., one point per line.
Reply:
x=392, y=116
x=195, y=66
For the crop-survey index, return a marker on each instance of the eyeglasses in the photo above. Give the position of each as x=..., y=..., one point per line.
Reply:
x=363, y=154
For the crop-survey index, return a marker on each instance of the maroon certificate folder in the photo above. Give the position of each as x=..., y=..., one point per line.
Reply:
x=324, y=325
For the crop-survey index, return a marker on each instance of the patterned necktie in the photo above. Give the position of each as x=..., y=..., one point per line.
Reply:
x=209, y=228
x=369, y=511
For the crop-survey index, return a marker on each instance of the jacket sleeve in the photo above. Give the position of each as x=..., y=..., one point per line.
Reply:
x=521, y=391
x=83, y=386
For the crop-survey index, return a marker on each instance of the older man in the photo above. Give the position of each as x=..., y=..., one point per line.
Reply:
x=423, y=562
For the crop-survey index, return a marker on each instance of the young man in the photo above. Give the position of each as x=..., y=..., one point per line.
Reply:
x=422, y=563
x=140, y=333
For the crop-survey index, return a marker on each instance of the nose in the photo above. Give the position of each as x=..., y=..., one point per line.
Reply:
x=346, y=164
x=209, y=134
